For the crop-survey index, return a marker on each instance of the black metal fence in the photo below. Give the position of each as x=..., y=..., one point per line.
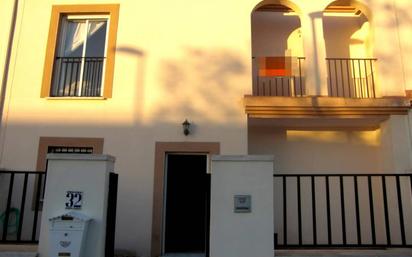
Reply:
x=351, y=77
x=288, y=85
x=21, y=194
x=77, y=77
x=343, y=210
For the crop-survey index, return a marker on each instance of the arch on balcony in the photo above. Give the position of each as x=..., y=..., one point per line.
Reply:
x=348, y=35
x=276, y=45
x=347, y=29
x=285, y=3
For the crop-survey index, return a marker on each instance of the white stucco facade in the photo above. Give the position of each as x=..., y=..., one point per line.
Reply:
x=177, y=60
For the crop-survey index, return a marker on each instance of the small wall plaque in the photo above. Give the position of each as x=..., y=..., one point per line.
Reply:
x=242, y=203
x=74, y=200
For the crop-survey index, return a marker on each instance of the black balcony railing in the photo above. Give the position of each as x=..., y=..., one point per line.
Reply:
x=343, y=210
x=21, y=194
x=351, y=77
x=78, y=77
x=292, y=84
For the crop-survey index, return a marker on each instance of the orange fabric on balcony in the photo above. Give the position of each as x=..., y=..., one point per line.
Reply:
x=274, y=66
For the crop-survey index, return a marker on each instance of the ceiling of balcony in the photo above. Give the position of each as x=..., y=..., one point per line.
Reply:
x=333, y=8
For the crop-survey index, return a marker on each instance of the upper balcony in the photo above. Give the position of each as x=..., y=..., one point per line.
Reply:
x=299, y=58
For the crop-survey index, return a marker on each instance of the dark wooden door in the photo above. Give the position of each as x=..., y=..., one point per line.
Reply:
x=187, y=204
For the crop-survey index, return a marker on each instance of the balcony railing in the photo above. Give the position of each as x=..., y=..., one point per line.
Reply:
x=286, y=81
x=351, y=77
x=78, y=77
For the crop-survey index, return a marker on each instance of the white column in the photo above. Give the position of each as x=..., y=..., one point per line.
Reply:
x=396, y=151
x=242, y=234
x=315, y=53
x=88, y=174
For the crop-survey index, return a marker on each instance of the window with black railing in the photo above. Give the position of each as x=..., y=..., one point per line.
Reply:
x=78, y=76
x=351, y=77
x=80, y=62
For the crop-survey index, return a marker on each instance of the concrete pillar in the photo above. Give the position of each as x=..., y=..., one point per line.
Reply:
x=241, y=232
x=315, y=53
x=85, y=173
x=396, y=150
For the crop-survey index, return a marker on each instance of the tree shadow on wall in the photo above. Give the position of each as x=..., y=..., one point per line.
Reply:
x=206, y=83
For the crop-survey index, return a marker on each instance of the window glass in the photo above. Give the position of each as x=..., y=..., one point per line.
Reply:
x=74, y=35
x=96, y=37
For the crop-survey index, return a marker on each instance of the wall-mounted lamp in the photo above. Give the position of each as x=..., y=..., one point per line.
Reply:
x=186, y=127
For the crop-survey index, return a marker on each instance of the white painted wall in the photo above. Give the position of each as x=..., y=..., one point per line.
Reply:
x=241, y=234
x=342, y=37
x=174, y=62
x=386, y=149
x=269, y=38
x=88, y=174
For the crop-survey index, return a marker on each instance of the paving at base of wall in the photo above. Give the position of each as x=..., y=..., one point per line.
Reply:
x=17, y=254
x=16, y=250
x=30, y=251
x=392, y=252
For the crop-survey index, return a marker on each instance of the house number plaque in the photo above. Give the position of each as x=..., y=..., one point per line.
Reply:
x=74, y=200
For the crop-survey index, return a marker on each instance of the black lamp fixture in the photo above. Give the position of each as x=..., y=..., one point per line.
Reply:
x=186, y=127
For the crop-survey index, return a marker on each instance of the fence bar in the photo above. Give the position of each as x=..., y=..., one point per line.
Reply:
x=330, y=79
x=385, y=204
x=348, y=76
x=358, y=227
x=341, y=75
x=22, y=205
x=328, y=210
x=300, y=75
x=65, y=78
x=366, y=79
x=315, y=239
x=299, y=212
x=6, y=218
x=36, y=207
x=336, y=76
x=285, y=231
x=342, y=202
x=371, y=210
x=354, y=78
x=360, y=79
x=400, y=209
x=373, y=80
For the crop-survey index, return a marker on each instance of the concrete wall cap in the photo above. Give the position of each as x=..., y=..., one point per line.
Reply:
x=83, y=157
x=243, y=158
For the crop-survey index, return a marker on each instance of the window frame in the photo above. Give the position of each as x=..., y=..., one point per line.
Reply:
x=45, y=142
x=58, y=11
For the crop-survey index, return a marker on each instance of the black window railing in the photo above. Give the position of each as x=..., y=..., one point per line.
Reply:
x=292, y=84
x=78, y=77
x=351, y=77
x=343, y=210
x=20, y=205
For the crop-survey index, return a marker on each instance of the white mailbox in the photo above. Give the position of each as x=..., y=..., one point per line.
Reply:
x=68, y=234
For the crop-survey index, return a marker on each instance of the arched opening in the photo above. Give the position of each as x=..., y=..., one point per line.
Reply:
x=349, y=49
x=277, y=50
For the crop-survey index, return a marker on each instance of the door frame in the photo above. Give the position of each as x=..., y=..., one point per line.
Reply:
x=161, y=151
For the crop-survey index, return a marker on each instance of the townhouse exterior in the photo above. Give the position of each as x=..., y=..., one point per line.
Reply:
x=323, y=85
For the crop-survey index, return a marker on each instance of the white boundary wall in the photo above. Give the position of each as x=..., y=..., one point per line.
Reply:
x=241, y=234
x=78, y=172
